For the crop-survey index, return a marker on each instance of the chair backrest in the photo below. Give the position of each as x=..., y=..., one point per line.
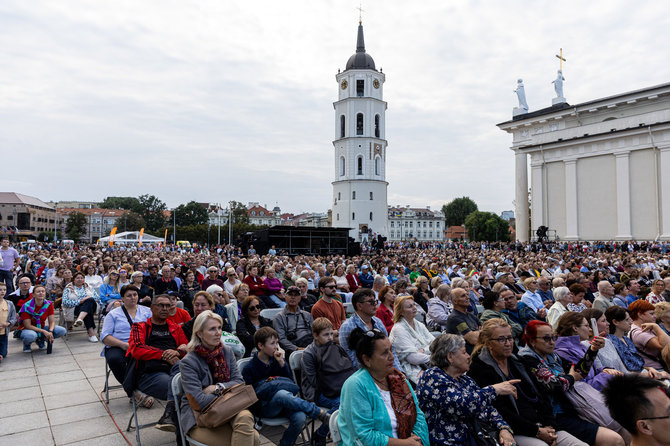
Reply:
x=270, y=313
x=349, y=308
x=480, y=309
x=334, y=430
x=295, y=364
x=242, y=363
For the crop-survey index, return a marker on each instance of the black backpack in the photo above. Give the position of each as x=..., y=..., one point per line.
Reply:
x=333, y=367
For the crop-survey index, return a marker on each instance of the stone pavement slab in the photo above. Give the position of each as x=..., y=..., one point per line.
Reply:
x=55, y=400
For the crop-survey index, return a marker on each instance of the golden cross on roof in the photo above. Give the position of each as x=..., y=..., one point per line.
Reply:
x=561, y=59
x=360, y=13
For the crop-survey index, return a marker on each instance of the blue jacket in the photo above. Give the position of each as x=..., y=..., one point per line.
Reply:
x=107, y=293
x=366, y=279
x=363, y=416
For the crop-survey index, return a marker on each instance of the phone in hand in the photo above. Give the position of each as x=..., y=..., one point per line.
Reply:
x=594, y=327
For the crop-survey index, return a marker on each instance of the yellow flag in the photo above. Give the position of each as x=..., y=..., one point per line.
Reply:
x=165, y=238
x=141, y=234
x=111, y=236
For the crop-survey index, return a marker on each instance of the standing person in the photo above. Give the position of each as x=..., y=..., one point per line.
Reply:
x=82, y=300
x=377, y=404
x=208, y=368
x=10, y=260
x=7, y=320
x=293, y=325
x=269, y=374
x=328, y=306
x=116, y=331
x=37, y=321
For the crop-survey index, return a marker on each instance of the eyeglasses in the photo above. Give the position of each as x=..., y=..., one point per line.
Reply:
x=503, y=339
x=254, y=307
x=656, y=418
x=548, y=338
x=330, y=286
x=373, y=301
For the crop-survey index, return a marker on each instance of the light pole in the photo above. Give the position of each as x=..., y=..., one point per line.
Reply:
x=56, y=226
x=230, y=223
x=218, y=211
x=174, y=227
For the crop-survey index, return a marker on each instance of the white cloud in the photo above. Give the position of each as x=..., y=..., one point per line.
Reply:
x=216, y=101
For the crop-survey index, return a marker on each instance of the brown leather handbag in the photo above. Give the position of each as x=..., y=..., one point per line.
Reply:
x=224, y=407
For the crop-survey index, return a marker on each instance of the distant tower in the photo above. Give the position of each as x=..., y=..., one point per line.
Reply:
x=359, y=186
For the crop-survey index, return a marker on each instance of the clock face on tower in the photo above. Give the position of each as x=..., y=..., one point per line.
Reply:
x=375, y=83
x=344, y=84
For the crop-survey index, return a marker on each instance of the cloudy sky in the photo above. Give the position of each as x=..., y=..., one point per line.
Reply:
x=221, y=100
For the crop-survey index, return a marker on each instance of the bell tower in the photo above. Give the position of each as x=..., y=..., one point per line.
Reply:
x=359, y=184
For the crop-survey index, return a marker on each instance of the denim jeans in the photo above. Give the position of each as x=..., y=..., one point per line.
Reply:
x=159, y=384
x=3, y=344
x=8, y=278
x=280, y=303
x=329, y=403
x=283, y=403
x=30, y=336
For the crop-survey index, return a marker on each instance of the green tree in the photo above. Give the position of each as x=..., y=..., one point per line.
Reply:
x=239, y=213
x=152, y=212
x=130, y=203
x=131, y=221
x=75, y=226
x=191, y=213
x=486, y=226
x=456, y=211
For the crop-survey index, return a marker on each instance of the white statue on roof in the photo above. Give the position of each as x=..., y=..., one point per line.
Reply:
x=521, y=96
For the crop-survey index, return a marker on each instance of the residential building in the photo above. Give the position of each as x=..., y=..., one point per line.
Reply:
x=422, y=224
x=23, y=217
x=99, y=222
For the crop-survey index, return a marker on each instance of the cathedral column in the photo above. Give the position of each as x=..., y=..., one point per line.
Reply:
x=537, y=196
x=623, y=196
x=521, y=196
x=571, y=216
x=664, y=203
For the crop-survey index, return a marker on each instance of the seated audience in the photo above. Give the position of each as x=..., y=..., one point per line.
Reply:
x=269, y=374
x=528, y=412
x=293, y=325
x=250, y=321
x=177, y=315
x=439, y=308
x=81, y=300
x=188, y=289
x=410, y=339
x=384, y=313
x=461, y=321
x=651, y=341
x=493, y=304
x=377, y=404
x=451, y=400
x=325, y=367
x=110, y=291
x=208, y=368
x=662, y=313
x=556, y=376
x=202, y=302
x=579, y=302
x=423, y=293
x=116, y=332
x=157, y=345
x=516, y=310
x=165, y=284
x=329, y=306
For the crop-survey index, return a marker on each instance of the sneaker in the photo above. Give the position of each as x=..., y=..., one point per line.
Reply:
x=167, y=422
x=324, y=416
x=92, y=339
x=42, y=345
x=318, y=440
x=77, y=323
x=26, y=348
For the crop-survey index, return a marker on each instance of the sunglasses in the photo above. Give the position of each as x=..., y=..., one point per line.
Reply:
x=330, y=286
x=254, y=307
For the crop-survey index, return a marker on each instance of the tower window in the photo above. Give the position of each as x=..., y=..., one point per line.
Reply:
x=339, y=195
x=342, y=126
x=342, y=166
x=353, y=195
x=377, y=165
x=359, y=124
x=371, y=196
x=353, y=216
x=360, y=87
x=376, y=126
x=370, y=216
x=338, y=217
x=359, y=169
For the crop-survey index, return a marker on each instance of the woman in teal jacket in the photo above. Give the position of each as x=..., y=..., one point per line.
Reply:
x=377, y=404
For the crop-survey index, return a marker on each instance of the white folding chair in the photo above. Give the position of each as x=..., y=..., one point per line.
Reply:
x=334, y=430
x=349, y=308
x=270, y=313
x=178, y=392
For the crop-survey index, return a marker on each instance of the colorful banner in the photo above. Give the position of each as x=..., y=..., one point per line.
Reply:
x=141, y=234
x=165, y=238
x=111, y=236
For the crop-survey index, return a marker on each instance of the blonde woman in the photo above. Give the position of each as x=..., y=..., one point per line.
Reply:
x=410, y=338
x=207, y=369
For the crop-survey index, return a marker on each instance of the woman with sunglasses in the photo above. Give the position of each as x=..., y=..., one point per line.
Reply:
x=110, y=291
x=555, y=377
x=250, y=322
x=527, y=410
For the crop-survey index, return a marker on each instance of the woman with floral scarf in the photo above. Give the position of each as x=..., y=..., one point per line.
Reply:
x=37, y=321
x=80, y=300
